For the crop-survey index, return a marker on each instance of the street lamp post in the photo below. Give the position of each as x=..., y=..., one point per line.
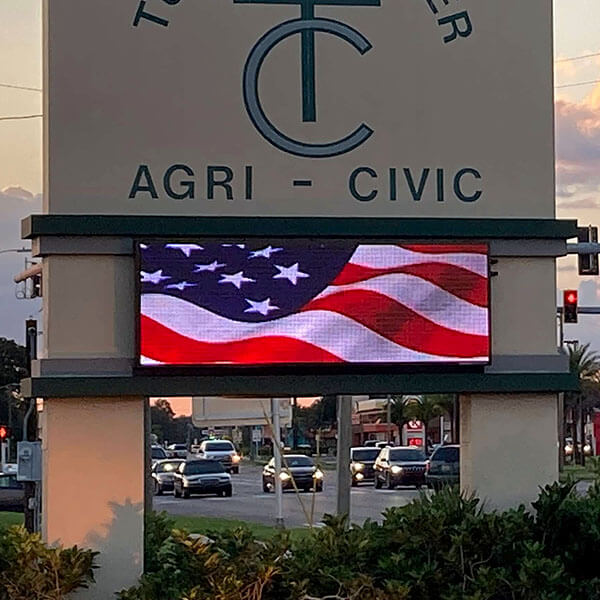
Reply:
x=18, y=250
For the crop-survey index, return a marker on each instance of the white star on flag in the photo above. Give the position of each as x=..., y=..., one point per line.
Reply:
x=182, y=285
x=263, y=307
x=292, y=274
x=187, y=249
x=237, y=279
x=265, y=252
x=144, y=246
x=212, y=267
x=155, y=277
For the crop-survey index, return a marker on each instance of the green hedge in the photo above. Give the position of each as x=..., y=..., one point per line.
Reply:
x=442, y=547
x=30, y=570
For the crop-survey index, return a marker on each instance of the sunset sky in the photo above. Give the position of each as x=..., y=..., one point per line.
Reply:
x=577, y=25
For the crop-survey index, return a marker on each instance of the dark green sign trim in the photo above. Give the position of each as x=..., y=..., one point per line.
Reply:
x=163, y=226
x=298, y=385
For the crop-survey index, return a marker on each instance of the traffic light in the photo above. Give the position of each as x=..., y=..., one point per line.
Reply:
x=5, y=433
x=570, y=306
x=36, y=286
x=588, y=263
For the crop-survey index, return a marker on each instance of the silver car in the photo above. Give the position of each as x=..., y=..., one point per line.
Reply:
x=222, y=450
x=163, y=472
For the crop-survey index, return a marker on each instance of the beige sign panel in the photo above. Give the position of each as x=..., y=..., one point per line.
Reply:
x=421, y=108
x=220, y=411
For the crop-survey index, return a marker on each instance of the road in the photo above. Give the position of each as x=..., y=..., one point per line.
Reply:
x=250, y=503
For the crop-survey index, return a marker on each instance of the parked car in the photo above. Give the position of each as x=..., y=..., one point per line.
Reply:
x=404, y=465
x=12, y=493
x=177, y=451
x=377, y=444
x=157, y=453
x=201, y=476
x=362, y=461
x=163, y=475
x=443, y=467
x=306, y=475
x=223, y=451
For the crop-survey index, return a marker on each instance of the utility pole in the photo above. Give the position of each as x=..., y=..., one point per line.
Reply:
x=389, y=417
x=344, y=443
x=279, y=522
x=30, y=425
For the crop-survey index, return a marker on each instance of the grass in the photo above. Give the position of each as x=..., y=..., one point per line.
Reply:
x=10, y=518
x=192, y=524
x=578, y=473
x=205, y=525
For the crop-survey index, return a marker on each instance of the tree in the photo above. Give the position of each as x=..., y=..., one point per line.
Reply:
x=13, y=362
x=398, y=410
x=447, y=405
x=585, y=363
x=424, y=410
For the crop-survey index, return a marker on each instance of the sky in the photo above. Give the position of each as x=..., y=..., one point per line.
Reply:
x=577, y=33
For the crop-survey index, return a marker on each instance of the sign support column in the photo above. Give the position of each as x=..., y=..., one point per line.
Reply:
x=344, y=442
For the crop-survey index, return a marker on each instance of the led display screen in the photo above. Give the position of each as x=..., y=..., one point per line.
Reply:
x=254, y=302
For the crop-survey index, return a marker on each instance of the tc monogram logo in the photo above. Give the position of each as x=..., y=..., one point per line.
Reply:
x=306, y=25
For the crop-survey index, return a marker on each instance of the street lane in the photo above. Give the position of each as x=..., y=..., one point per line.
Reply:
x=250, y=503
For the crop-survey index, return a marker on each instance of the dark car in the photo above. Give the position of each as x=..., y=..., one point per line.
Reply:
x=362, y=461
x=12, y=493
x=163, y=475
x=444, y=467
x=306, y=475
x=404, y=465
x=201, y=477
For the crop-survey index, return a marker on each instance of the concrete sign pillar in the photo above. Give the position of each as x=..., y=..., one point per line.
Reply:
x=508, y=446
x=94, y=484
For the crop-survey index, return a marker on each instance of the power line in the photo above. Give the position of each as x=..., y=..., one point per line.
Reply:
x=562, y=60
x=568, y=85
x=16, y=118
x=19, y=87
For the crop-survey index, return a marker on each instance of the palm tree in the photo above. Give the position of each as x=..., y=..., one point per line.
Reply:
x=425, y=410
x=585, y=363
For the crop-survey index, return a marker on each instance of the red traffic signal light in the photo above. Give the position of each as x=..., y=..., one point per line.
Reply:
x=5, y=432
x=570, y=306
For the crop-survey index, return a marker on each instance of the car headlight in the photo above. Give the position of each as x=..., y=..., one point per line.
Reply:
x=359, y=477
x=396, y=470
x=358, y=466
x=318, y=474
x=284, y=476
x=235, y=458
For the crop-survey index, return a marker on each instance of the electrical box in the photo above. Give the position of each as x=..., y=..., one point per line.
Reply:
x=29, y=461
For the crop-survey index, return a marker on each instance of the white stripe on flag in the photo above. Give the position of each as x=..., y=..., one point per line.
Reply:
x=387, y=257
x=425, y=298
x=354, y=342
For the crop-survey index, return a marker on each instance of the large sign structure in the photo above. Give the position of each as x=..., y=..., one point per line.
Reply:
x=238, y=161
x=300, y=108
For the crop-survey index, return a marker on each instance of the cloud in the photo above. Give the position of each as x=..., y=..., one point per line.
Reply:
x=587, y=202
x=566, y=268
x=15, y=192
x=578, y=145
x=16, y=203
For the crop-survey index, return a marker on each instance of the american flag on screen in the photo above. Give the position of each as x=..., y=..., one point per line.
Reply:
x=302, y=301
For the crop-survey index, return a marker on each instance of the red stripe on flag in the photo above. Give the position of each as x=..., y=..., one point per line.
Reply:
x=164, y=345
x=446, y=248
x=402, y=325
x=462, y=283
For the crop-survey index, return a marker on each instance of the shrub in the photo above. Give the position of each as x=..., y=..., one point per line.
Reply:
x=439, y=547
x=31, y=570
